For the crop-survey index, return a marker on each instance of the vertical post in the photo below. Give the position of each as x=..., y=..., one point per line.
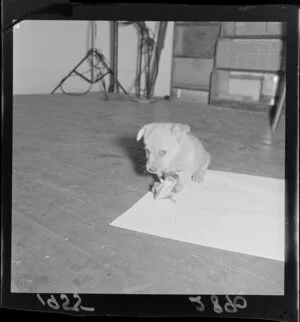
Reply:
x=113, y=83
x=139, y=65
x=158, y=47
x=116, y=45
x=147, y=74
x=92, y=23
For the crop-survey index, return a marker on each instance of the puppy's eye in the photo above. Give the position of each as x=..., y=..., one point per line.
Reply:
x=162, y=152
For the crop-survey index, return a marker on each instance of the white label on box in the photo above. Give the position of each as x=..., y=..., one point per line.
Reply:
x=245, y=87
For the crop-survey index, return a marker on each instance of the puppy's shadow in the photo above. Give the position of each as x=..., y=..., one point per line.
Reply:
x=135, y=151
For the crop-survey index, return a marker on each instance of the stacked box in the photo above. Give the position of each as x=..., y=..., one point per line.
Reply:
x=192, y=73
x=248, y=88
x=196, y=41
x=260, y=29
x=250, y=54
x=191, y=95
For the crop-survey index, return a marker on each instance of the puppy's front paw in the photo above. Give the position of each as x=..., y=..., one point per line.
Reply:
x=198, y=176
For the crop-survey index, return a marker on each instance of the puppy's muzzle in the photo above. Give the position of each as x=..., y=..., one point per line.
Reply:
x=152, y=169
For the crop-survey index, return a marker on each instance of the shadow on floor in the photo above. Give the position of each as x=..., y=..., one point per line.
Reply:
x=135, y=152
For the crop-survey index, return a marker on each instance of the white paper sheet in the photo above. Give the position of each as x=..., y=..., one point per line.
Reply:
x=230, y=211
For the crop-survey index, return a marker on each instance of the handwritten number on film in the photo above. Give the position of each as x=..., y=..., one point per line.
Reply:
x=230, y=306
x=197, y=299
x=52, y=302
x=215, y=302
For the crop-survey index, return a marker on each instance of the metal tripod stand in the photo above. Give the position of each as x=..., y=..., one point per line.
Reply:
x=98, y=67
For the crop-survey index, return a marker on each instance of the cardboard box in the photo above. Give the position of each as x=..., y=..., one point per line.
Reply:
x=190, y=73
x=250, y=54
x=261, y=29
x=245, y=89
x=192, y=96
x=253, y=88
x=196, y=41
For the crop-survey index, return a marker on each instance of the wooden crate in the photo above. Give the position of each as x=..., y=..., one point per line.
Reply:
x=196, y=41
x=194, y=49
x=192, y=73
x=254, y=90
x=197, y=96
x=252, y=29
x=250, y=54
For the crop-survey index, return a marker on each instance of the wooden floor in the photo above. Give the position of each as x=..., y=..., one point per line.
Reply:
x=77, y=167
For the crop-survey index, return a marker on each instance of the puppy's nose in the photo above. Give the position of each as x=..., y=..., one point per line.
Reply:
x=152, y=169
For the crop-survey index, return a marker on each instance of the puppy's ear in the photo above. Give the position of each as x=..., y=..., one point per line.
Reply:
x=180, y=129
x=143, y=131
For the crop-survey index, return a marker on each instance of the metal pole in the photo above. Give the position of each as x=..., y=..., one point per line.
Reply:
x=71, y=72
x=139, y=70
x=113, y=84
x=111, y=87
x=92, y=52
x=116, y=45
x=147, y=75
x=162, y=29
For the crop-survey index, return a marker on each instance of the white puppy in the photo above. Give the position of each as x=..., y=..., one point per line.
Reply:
x=171, y=148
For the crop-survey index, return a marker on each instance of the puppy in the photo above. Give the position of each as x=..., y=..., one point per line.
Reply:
x=171, y=148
